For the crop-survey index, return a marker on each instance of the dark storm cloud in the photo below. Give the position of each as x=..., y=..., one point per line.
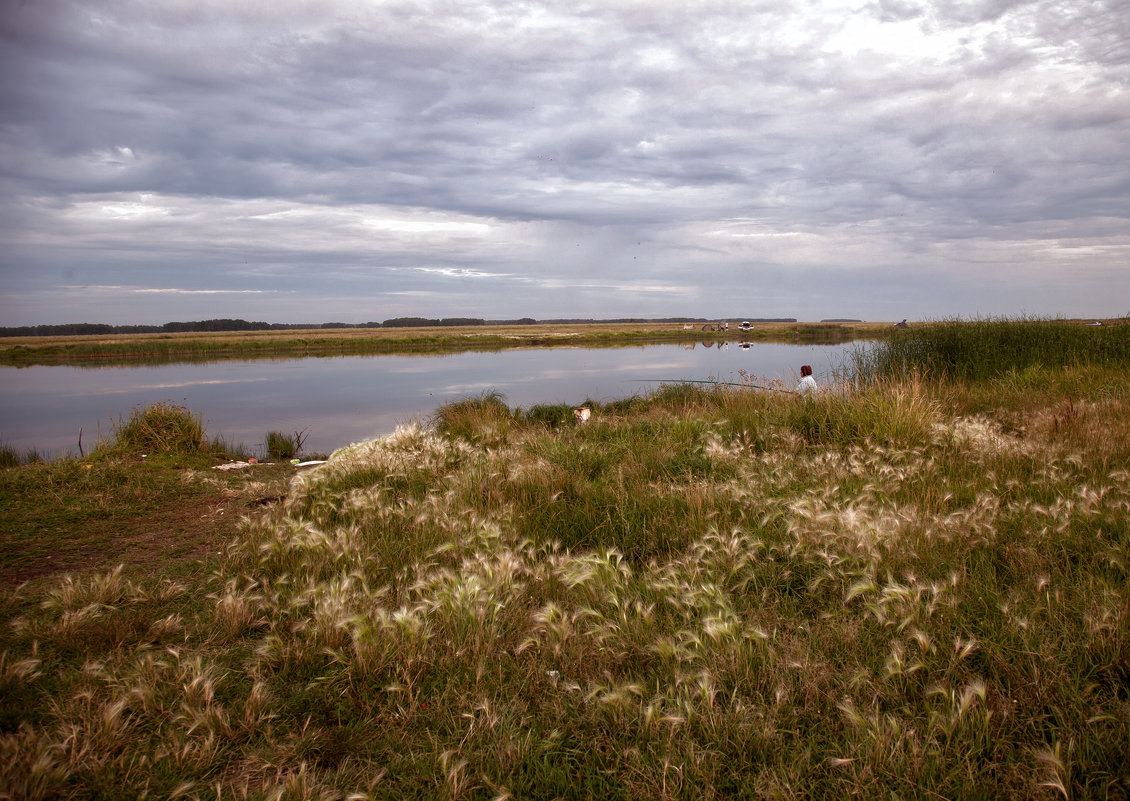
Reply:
x=401, y=156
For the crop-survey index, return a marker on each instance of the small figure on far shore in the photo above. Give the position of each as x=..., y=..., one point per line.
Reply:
x=807, y=383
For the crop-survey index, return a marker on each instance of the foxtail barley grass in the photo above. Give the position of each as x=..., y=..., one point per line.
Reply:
x=891, y=591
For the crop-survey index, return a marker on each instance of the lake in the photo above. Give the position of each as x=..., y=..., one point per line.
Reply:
x=341, y=400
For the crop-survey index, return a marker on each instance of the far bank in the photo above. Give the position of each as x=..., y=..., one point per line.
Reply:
x=219, y=346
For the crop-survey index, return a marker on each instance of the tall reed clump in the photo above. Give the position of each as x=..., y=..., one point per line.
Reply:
x=980, y=349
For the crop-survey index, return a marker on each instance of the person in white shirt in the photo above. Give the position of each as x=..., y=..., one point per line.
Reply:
x=807, y=382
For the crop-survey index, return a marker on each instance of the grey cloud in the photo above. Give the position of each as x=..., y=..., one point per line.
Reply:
x=574, y=134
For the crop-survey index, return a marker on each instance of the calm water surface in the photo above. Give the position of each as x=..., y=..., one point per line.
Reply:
x=348, y=399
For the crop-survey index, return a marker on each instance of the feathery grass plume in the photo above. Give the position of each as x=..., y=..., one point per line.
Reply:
x=100, y=590
x=33, y=765
x=409, y=461
x=14, y=673
x=238, y=608
x=1055, y=764
x=980, y=437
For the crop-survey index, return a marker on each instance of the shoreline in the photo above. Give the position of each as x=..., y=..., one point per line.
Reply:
x=125, y=349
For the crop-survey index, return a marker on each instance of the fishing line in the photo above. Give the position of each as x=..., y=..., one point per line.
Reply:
x=719, y=383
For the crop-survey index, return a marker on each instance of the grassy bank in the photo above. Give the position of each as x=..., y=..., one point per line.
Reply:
x=125, y=349
x=145, y=495
x=917, y=587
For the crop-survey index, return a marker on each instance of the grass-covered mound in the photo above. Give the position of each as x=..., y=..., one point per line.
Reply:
x=913, y=589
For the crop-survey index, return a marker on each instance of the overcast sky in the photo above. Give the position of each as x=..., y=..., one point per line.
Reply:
x=356, y=160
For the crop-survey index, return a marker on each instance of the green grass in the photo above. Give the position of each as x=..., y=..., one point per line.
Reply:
x=133, y=498
x=980, y=349
x=11, y=457
x=915, y=588
x=280, y=445
x=475, y=418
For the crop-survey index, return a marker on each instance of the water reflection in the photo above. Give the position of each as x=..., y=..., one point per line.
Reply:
x=339, y=400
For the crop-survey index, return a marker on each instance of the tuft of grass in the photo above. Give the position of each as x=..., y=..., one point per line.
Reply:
x=164, y=430
x=163, y=427
x=10, y=457
x=483, y=417
x=556, y=415
x=280, y=445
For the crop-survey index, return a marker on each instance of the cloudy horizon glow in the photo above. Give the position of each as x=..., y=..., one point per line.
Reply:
x=360, y=160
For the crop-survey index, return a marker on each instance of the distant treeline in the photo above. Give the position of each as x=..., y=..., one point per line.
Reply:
x=80, y=329
x=88, y=329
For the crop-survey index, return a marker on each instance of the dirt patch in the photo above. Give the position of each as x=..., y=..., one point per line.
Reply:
x=185, y=528
x=181, y=531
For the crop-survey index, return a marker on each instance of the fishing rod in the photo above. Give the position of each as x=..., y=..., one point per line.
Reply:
x=718, y=383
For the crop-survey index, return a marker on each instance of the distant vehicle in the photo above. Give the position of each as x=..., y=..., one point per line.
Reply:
x=746, y=325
